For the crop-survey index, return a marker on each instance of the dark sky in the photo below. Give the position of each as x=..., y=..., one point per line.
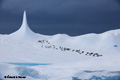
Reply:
x=72, y=17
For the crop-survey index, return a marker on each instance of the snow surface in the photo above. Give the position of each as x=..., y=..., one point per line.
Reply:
x=23, y=46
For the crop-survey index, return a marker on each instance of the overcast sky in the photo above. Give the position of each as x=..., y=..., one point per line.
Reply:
x=72, y=17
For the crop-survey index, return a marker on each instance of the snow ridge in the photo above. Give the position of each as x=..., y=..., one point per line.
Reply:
x=14, y=47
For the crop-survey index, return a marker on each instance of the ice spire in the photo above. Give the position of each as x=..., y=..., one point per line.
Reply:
x=24, y=31
x=24, y=25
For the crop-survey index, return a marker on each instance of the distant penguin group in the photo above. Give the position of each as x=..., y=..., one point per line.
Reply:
x=43, y=42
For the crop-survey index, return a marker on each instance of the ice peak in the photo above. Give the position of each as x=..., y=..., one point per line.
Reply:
x=25, y=19
x=24, y=30
x=24, y=25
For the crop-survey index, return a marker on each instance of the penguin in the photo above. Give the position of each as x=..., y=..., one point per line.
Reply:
x=87, y=53
x=82, y=51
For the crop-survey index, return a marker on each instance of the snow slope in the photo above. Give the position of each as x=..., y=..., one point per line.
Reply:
x=26, y=46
